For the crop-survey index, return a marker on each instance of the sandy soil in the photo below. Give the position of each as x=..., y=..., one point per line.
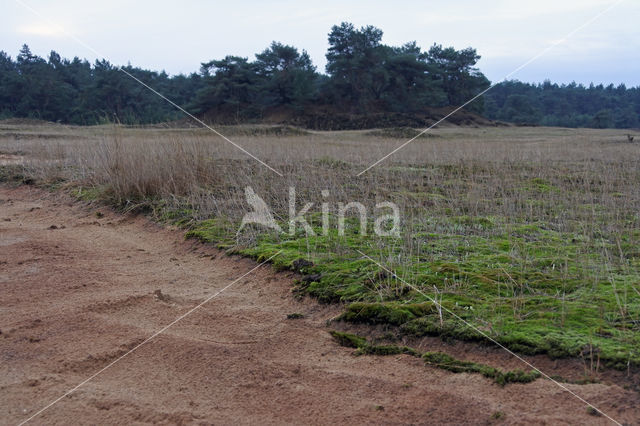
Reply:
x=79, y=290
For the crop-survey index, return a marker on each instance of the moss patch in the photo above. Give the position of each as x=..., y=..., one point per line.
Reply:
x=436, y=359
x=365, y=348
x=524, y=285
x=449, y=363
x=554, y=278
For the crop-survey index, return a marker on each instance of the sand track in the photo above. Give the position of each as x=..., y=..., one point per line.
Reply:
x=75, y=297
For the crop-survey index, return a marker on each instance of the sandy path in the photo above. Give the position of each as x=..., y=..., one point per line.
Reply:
x=75, y=298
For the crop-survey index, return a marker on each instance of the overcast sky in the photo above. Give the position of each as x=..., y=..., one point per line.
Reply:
x=178, y=35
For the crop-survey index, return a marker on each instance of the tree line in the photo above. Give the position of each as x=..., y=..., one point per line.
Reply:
x=567, y=105
x=77, y=92
x=362, y=76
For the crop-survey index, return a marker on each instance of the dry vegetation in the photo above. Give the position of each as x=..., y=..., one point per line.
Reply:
x=532, y=234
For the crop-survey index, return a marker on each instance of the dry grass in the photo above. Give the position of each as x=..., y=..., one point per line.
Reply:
x=477, y=171
x=523, y=213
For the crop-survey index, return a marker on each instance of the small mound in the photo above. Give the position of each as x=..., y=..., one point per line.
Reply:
x=263, y=130
x=26, y=122
x=230, y=129
x=399, y=133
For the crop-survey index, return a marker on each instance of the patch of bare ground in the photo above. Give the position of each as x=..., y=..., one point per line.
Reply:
x=79, y=295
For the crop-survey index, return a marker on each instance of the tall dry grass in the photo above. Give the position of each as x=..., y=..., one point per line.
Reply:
x=528, y=173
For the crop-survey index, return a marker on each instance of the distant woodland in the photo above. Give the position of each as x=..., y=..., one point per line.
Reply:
x=363, y=77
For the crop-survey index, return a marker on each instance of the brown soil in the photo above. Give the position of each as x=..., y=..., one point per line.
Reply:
x=78, y=295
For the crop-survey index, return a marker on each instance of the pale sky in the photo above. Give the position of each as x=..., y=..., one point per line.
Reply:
x=178, y=35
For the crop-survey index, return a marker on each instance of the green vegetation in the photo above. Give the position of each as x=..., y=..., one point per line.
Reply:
x=435, y=359
x=89, y=194
x=363, y=76
x=566, y=105
x=522, y=285
x=446, y=362
x=349, y=340
x=535, y=248
x=13, y=174
x=365, y=348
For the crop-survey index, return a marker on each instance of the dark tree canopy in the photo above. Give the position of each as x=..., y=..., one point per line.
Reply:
x=363, y=76
x=289, y=76
x=454, y=69
x=570, y=105
x=366, y=75
x=74, y=91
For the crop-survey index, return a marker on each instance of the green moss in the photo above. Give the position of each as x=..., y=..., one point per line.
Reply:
x=472, y=221
x=377, y=313
x=540, y=185
x=528, y=285
x=365, y=348
x=215, y=231
x=349, y=340
x=94, y=193
x=449, y=363
x=388, y=350
x=447, y=329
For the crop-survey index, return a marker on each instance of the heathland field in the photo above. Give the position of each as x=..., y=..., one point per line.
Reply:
x=531, y=235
